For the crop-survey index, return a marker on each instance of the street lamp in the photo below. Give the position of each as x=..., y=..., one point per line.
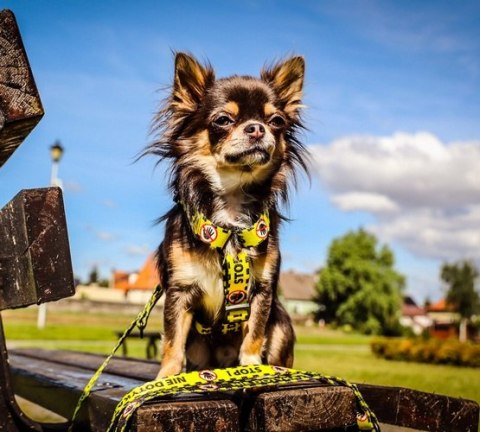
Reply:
x=56, y=153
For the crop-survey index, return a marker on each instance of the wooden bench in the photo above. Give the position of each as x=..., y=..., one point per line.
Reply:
x=35, y=267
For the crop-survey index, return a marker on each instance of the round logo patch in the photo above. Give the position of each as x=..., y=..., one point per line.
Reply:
x=208, y=233
x=236, y=297
x=262, y=229
x=207, y=375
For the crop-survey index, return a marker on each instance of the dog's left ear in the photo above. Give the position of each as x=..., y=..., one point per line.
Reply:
x=286, y=78
x=191, y=82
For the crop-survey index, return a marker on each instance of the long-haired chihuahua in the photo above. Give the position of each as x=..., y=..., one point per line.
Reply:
x=233, y=148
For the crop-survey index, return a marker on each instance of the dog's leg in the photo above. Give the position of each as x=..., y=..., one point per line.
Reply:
x=280, y=337
x=177, y=323
x=251, y=349
x=198, y=353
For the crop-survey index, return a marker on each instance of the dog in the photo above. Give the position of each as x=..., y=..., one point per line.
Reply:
x=234, y=152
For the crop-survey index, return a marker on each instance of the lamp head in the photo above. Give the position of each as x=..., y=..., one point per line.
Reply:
x=56, y=151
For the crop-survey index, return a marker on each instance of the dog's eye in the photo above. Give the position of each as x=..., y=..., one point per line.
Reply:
x=223, y=121
x=277, y=121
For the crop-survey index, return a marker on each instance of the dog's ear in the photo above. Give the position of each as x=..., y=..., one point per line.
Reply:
x=191, y=82
x=286, y=78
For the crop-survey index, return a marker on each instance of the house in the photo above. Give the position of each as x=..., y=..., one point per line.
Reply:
x=414, y=316
x=444, y=320
x=297, y=293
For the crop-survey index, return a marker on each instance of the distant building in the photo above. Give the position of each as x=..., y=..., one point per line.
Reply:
x=145, y=279
x=414, y=316
x=444, y=320
x=297, y=293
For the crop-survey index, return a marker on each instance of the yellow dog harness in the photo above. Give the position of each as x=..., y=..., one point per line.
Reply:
x=236, y=269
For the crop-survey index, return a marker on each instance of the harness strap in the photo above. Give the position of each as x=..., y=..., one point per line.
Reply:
x=236, y=269
x=217, y=237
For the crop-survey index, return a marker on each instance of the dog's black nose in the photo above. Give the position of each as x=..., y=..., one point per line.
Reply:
x=255, y=131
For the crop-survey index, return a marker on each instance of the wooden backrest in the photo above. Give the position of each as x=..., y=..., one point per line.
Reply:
x=20, y=105
x=35, y=264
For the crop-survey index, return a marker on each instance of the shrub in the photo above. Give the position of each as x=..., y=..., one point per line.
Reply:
x=437, y=351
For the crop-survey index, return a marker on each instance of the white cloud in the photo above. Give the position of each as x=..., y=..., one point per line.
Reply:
x=424, y=193
x=373, y=202
x=72, y=186
x=105, y=236
x=138, y=250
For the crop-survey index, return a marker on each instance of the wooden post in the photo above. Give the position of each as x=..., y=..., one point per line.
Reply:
x=20, y=105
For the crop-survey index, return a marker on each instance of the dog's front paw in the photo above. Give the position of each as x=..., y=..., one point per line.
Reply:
x=168, y=370
x=250, y=359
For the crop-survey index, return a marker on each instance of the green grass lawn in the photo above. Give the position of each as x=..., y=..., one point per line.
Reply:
x=327, y=351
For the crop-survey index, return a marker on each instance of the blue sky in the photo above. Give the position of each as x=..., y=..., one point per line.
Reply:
x=392, y=90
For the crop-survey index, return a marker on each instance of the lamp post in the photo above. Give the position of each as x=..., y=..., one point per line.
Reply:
x=56, y=153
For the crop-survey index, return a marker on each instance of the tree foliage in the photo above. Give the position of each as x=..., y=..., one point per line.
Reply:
x=460, y=278
x=359, y=285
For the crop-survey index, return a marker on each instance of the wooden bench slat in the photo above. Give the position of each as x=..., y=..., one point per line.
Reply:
x=142, y=370
x=20, y=105
x=420, y=410
x=35, y=263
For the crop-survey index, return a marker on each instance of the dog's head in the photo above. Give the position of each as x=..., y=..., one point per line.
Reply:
x=236, y=131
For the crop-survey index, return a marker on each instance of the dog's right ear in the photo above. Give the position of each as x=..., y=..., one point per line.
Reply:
x=191, y=82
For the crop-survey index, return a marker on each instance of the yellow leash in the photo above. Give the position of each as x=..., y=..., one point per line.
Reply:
x=230, y=379
x=140, y=322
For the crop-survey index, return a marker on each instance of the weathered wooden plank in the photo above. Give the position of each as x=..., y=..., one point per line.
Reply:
x=35, y=264
x=420, y=410
x=309, y=409
x=20, y=105
x=205, y=416
x=142, y=370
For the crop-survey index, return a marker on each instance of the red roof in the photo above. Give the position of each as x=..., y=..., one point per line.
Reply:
x=441, y=306
x=148, y=276
x=120, y=280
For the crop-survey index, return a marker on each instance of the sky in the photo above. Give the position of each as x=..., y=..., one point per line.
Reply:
x=392, y=109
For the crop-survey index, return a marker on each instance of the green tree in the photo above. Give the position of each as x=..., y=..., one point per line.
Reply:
x=93, y=276
x=359, y=285
x=462, y=294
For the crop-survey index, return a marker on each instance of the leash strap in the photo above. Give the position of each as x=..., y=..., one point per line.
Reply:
x=141, y=322
x=236, y=278
x=230, y=379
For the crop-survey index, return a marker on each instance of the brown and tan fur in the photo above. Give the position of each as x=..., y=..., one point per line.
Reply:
x=233, y=149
